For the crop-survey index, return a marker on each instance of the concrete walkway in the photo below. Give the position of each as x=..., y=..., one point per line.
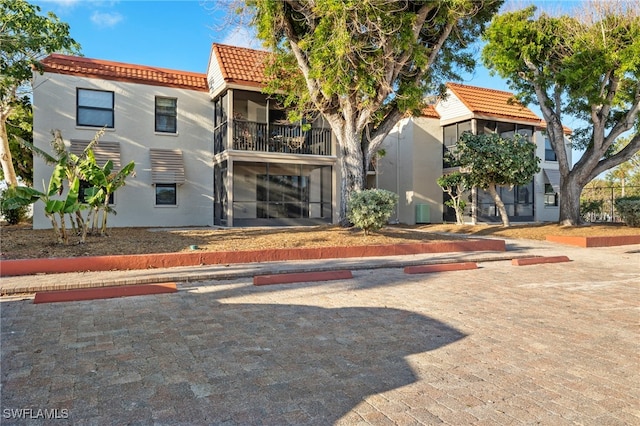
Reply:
x=68, y=281
x=549, y=344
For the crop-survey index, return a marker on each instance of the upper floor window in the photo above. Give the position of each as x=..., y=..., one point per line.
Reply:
x=166, y=115
x=94, y=108
x=549, y=153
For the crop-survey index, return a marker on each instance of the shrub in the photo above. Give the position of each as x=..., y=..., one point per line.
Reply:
x=13, y=215
x=590, y=208
x=629, y=210
x=370, y=209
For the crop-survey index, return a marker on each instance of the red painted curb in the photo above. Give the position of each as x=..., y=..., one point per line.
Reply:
x=604, y=241
x=167, y=260
x=103, y=292
x=537, y=260
x=441, y=267
x=299, y=277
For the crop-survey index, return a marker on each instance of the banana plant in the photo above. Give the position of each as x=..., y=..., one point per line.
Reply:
x=104, y=183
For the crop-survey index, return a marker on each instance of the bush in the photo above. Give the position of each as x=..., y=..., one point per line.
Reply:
x=590, y=208
x=370, y=209
x=629, y=210
x=13, y=215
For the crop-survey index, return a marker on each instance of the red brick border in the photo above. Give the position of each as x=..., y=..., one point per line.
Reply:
x=103, y=292
x=604, y=241
x=538, y=260
x=440, y=267
x=300, y=277
x=167, y=260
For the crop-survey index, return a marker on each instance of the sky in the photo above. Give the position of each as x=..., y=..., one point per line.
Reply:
x=178, y=34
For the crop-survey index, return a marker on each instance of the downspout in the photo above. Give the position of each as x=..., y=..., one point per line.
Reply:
x=398, y=175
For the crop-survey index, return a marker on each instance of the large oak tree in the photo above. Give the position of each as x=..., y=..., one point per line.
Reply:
x=363, y=65
x=26, y=37
x=585, y=67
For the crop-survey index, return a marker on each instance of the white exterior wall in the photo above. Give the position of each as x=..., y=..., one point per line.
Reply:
x=451, y=109
x=54, y=100
x=410, y=167
x=545, y=213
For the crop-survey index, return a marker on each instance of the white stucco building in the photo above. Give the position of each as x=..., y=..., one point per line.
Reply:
x=212, y=149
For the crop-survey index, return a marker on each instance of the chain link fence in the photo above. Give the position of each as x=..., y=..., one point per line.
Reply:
x=597, y=204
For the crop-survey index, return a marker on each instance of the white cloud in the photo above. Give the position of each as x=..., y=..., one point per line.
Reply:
x=242, y=37
x=106, y=19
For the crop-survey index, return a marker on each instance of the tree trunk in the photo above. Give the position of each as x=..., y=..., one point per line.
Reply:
x=352, y=169
x=570, y=190
x=499, y=204
x=5, y=154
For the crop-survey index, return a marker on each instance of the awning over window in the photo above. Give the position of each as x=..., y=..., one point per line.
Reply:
x=167, y=166
x=102, y=151
x=553, y=177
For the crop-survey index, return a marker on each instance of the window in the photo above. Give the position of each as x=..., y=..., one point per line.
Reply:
x=94, y=108
x=550, y=195
x=549, y=153
x=166, y=115
x=166, y=194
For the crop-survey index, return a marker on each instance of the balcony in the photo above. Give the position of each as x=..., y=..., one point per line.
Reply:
x=279, y=138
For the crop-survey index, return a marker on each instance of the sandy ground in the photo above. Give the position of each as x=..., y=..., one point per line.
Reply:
x=21, y=242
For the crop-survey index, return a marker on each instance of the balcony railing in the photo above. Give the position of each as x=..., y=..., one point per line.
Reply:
x=262, y=137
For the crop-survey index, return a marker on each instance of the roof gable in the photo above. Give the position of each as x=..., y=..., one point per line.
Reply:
x=119, y=71
x=240, y=64
x=492, y=103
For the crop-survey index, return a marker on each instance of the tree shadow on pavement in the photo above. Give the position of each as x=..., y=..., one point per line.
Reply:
x=189, y=359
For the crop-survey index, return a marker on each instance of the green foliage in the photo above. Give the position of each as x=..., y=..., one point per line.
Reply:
x=585, y=66
x=363, y=65
x=489, y=159
x=455, y=184
x=371, y=209
x=68, y=170
x=26, y=37
x=629, y=210
x=13, y=214
x=20, y=127
x=589, y=208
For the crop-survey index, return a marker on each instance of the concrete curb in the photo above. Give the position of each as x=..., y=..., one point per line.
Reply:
x=442, y=267
x=300, y=277
x=103, y=293
x=539, y=260
x=604, y=241
x=169, y=260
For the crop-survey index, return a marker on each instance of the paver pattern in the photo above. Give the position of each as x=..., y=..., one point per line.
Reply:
x=554, y=344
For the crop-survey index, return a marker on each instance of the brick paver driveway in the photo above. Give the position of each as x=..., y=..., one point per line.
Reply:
x=547, y=344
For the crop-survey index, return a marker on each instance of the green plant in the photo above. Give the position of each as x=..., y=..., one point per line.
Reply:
x=370, y=209
x=455, y=184
x=589, y=208
x=15, y=215
x=629, y=210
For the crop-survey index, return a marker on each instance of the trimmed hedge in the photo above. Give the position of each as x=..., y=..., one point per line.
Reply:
x=629, y=210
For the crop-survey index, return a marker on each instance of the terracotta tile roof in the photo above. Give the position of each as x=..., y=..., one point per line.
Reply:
x=109, y=70
x=240, y=64
x=494, y=103
x=430, y=112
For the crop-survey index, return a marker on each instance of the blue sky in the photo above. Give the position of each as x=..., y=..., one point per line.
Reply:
x=178, y=34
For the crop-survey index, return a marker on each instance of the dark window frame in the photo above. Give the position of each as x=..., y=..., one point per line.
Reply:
x=174, y=201
x=549, y=153
x=550, y=196
x=93, y=108
x=173, y=114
